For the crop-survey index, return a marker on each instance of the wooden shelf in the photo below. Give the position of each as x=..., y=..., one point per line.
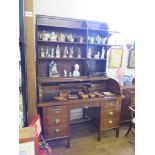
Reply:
x=95, y=44
x=96, y=59
x=101, y=30
x=39, y=58
x=70, y=79
x=60, y=42
x=62, y=27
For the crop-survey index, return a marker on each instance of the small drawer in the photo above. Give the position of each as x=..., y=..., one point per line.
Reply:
x=111, y=114
x=56, y=110
x=56, y=132
x=57, y=120
x=114, y=104
x=110, y=123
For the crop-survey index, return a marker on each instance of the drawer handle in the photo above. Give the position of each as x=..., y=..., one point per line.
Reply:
x=57, y=111
x=57, y=130
x=110, y=121
x=57, y=120
x=111, y=113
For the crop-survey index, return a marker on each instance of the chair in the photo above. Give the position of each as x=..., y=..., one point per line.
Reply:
x=132, y=108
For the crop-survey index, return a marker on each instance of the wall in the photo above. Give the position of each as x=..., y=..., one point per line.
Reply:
x=117, y=14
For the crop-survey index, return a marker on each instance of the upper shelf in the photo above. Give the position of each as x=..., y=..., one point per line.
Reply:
x=59, y=42
x=69, y=79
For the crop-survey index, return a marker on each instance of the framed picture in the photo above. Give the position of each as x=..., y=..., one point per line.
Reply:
x=116, y=55
x=131, y=58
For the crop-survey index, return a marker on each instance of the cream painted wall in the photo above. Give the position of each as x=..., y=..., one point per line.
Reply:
x=117, y=14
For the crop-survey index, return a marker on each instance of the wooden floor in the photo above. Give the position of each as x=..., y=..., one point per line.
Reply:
x=84, y=142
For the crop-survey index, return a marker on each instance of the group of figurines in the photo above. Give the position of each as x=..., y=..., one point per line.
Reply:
x=53, y=72
x=57, y=53
x=61, y=37
x=97, y=55
x=97, y=39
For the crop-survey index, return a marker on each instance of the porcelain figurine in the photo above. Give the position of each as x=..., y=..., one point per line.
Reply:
x=103, y=53
x=42, y=53
x=92, y=40
x=70, y=38
x=61, y=37
x=53, y=70
x=71, y=52
x=79, y=53
x=76, y=72
x=89, y=53
x=97, y=55
x=57, y=52
x=65, y=73
x=98, y=39
x=52, y=53
x=53, y=36
x=65, y=52
x=70, y=74
x=47, y=53
x=81, y=39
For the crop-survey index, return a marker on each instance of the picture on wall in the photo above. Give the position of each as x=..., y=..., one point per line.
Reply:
x=131, y=58
x=116, y=55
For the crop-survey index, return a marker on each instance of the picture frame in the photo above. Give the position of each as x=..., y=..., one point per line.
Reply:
x=131, y=58
x=116, y=55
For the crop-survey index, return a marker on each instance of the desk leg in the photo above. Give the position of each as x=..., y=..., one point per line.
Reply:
x=68, y=142
x=99, y=135
x=117, y=132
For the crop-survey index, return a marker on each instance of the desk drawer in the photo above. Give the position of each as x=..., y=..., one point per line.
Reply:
x=55, y=110
x=51, y=121
x=112, y=104
x=110, y=123
x=56, y=132
x=109, y=114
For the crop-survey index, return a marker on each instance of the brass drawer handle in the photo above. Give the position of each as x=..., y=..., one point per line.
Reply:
x=111, y=113
x=57, y=120
x=110, y=121
x=57, y=111
x=57, y=130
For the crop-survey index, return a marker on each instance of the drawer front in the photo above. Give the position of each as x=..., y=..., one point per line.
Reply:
x=112, y=104
x=110, y=123
x=56, y=110
x=51, y=121
x=56, y=132
x=109, y=114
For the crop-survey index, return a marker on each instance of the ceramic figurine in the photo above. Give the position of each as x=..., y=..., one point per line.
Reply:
x=52, y=53
x=79, y=53
x=65, y=73
x=65, y=52
x=47, y=53
x=98, y=39
x=53, y=36
x=61, y=37
x=103, y=52
x=70, y=38
x=70, y=74
x=71, y=52
x=42, y=53
x=89, y=53
x=53, y=70
x=92, y=40
x=97, y=55
x=76, y=72
x=81, y=39
x=57, y=52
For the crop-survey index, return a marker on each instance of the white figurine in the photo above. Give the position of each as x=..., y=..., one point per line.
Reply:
x=103, y=52
x=79, y=53
x=76, y=70
x=97, y=55
x=65, y=73
x=70, y=74
x=52, y=53
x=47, y=52
x=42, y=53
x=71, y=53
x=53, y=70
x=65, y=52
x=57, y=51
x=89, y=53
